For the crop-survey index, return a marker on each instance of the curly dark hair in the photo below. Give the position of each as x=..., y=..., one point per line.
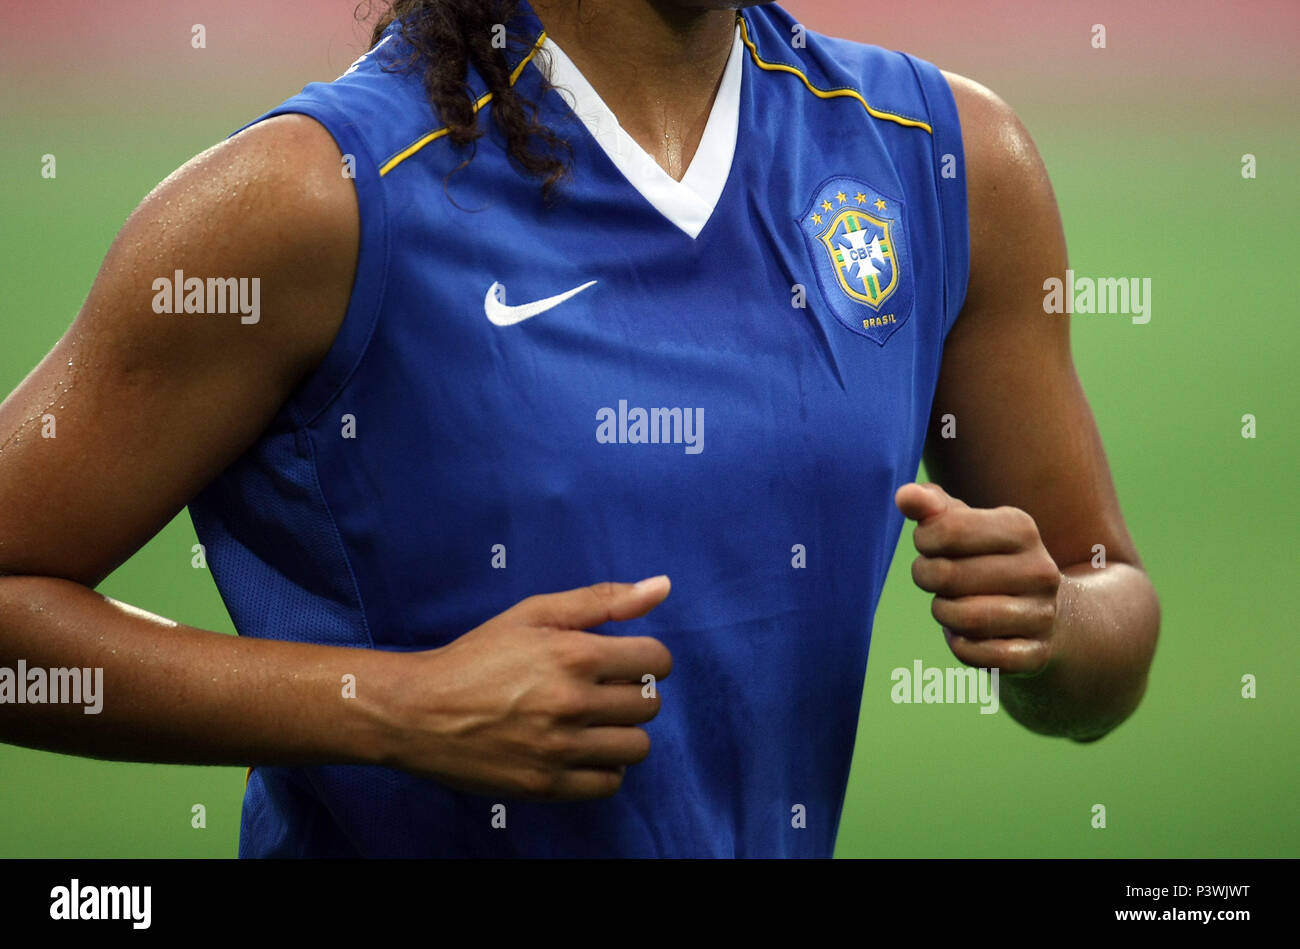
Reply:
x=447, y=37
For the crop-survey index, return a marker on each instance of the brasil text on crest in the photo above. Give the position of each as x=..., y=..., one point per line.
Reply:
x=857, y=239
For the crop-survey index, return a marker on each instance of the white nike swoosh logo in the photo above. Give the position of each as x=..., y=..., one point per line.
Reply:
x=494, y=304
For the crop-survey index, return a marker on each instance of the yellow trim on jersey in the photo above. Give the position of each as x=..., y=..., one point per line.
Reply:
x=484, y=99
x=824, y=93
x=247, y=774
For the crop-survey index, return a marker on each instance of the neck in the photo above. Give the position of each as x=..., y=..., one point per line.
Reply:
x=656, y=65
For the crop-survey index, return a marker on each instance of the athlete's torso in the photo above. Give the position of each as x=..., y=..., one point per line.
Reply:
x=712, y=407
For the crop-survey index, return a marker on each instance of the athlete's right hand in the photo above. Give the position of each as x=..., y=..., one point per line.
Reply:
x=529, y=705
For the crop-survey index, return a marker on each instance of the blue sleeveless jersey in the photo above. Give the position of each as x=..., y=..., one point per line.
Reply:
x=734, y=409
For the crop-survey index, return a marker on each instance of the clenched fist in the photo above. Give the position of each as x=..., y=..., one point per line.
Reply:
x=994, y=582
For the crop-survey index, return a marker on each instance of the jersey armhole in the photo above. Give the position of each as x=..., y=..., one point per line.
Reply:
x=950, y=185
x=324, y=384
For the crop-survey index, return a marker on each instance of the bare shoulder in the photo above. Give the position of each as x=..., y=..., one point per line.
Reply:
x=270, y=202
x=160, y=383
x=991, y=131
x=1015, y=226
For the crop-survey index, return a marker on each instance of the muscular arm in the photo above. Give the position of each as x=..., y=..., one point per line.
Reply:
x=1026, y=439
x=149, y=408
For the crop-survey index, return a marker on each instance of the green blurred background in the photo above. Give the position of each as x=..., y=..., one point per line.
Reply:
x=1144, y=141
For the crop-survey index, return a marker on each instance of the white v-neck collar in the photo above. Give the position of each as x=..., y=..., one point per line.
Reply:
x=688, y=203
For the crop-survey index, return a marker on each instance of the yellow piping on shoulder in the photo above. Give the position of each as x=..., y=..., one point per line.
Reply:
x=483, y=100
x=824, y=93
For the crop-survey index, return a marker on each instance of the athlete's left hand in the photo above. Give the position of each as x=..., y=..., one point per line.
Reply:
x=994, y=582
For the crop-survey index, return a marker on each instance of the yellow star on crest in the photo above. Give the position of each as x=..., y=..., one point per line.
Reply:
x=880, y=204
x=842, y=197
x=817, y=218
x=827, y=206
x=861, y=198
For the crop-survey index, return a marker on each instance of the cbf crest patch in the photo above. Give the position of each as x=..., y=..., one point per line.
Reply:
x=858, y=242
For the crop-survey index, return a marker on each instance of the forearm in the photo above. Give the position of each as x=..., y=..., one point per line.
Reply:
x=177, y=694
x=1103, y=642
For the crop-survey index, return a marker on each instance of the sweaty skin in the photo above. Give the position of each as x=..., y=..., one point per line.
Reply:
x=1010, y=562
x=150, y=408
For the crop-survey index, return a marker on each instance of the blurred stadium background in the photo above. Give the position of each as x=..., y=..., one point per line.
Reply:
x=1144, y=141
